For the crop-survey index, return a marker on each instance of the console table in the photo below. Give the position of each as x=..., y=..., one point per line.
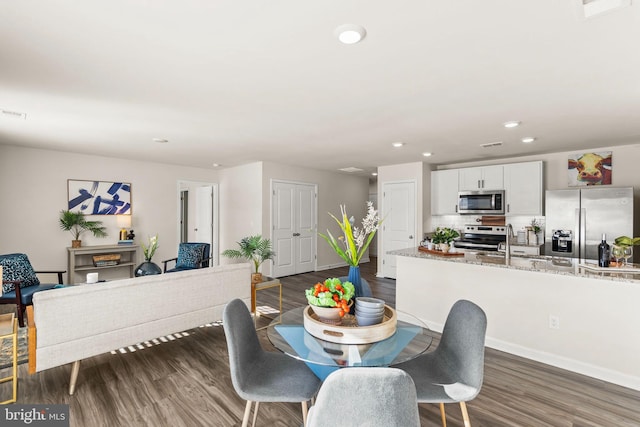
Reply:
x=80, y=261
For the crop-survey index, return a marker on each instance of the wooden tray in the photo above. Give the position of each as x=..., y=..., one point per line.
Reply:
x=439, y=253
x=349, y=332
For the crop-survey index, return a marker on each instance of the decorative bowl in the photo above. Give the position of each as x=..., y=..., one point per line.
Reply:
x=363, y=309
x=370, y=302
x=364, y=320
x=328, y=314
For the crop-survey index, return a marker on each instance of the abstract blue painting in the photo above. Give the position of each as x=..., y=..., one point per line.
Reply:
x=99, y=197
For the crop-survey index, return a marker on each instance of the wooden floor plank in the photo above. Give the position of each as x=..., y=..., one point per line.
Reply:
x=186, y=382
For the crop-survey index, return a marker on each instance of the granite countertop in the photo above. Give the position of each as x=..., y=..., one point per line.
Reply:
x=542, y=264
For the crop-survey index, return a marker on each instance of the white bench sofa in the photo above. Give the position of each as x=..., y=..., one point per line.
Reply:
x=77, y=322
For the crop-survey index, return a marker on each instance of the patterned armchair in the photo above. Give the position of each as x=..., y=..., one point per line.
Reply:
x=190, y=256
x=19, y=282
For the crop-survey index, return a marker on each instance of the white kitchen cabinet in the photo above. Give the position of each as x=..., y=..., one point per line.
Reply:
x=523, y=188
x=481, y=178
x=444, y=192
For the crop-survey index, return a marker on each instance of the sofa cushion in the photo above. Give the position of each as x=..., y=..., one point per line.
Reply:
x=189, y=256
x=17, y=267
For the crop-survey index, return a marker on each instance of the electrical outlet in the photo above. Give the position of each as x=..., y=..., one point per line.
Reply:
x=554, y=322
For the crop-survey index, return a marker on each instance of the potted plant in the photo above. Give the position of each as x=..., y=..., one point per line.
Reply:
x=255, y=249
x=622, y=249
x=76, y=223
x=353, y=244
x=443, y=236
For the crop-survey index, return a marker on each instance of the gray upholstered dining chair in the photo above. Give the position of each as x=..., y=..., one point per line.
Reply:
x=378, y=396
x=262, y=376
x=454, y=371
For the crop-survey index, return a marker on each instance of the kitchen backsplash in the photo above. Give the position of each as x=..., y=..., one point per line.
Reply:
x=459, y=221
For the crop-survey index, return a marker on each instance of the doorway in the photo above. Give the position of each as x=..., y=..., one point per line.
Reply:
x=198, y=215
x=399, y=226
x=293, y=225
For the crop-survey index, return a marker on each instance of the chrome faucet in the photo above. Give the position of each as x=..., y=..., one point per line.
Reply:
x=507, y=250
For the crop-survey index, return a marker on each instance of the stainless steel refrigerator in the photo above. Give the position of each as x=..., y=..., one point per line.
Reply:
x=576, y=219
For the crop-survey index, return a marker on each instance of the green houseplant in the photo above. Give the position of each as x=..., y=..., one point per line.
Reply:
x=255, y=249
x=444, y=236
x=77, y=223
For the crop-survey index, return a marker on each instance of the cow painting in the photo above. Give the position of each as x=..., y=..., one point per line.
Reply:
x=590, y=169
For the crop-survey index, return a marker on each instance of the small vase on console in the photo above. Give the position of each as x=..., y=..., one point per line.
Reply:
x=147, y=268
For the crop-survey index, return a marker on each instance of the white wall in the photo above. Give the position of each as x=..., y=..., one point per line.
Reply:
x=33, y=189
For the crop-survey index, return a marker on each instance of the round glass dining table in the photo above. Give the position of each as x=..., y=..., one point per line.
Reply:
x=287, y=334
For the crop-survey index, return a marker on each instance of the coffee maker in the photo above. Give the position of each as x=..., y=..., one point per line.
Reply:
x=562, y=241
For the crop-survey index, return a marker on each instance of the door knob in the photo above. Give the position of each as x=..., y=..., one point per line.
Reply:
x=296, y=234
x=410, y=237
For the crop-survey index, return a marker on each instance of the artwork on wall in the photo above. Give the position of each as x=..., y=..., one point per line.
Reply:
x=99, y=197
x=590, y=169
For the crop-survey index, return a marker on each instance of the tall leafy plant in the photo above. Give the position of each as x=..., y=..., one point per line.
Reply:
x=77, y=223
x=255, y=249
x=354, y=242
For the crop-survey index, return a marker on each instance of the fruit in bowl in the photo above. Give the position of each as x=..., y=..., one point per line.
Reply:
x=331, y=298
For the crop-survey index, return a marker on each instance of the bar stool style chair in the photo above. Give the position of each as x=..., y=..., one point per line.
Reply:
x=379, y=397
x=262, y=376
x=9, y=330
x=454, y=371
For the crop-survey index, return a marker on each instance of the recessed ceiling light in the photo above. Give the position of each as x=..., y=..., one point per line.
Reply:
x=351, y=169
x=350, y=33
x=160, y=140
x=374, y=173
x=528, y=139
x=216, y=165
x=398, y=144
x=511, y=124
x=427, y=154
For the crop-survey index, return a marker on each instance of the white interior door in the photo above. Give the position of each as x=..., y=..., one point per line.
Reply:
x=204, y=215
x=200, y=213
x=293, y=228
x=399, y=226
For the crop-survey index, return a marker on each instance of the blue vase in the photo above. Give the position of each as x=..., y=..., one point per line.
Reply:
x=356, y=280
x=147, y=268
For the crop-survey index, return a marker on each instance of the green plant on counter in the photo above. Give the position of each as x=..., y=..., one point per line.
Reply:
x=444, y=235
x=627, y=241
x=535, y=226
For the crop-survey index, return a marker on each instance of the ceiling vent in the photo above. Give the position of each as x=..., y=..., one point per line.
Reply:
x=491, y=144
x=591, y=8
x=13, y=114
x=351, y=169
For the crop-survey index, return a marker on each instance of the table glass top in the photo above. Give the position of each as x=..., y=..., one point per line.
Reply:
x=411, y=339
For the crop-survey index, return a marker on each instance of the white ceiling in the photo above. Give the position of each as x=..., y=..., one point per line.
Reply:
x=233, y=82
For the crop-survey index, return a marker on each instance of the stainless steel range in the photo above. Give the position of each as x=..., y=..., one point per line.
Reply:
x=482, y=237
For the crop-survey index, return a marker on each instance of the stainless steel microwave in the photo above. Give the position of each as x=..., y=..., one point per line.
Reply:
x=481, y=202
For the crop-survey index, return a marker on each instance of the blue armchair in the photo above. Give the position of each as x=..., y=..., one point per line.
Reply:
x=19, y=282
x=190, y=256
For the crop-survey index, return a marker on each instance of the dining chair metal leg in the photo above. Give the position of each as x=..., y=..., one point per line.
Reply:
x=255, y=414
x=443, y=415
x=247, y=412
x=465, y=414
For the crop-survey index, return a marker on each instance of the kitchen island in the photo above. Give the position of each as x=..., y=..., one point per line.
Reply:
x=548, y=309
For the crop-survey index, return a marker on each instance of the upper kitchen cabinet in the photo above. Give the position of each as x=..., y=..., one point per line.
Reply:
x=481, y=178
x=523, y=188
x=444, y=192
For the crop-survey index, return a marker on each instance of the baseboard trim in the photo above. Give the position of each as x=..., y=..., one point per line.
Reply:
x=593, y=371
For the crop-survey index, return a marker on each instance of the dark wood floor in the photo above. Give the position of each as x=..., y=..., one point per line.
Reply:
x=186, y=382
